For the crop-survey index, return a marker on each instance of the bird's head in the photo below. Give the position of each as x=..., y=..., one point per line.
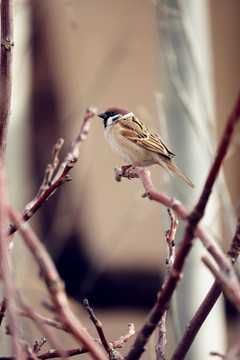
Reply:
x=113, y=114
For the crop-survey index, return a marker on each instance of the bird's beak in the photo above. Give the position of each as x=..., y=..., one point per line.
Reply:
x=102, y=115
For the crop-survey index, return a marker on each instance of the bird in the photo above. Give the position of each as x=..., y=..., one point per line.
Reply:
x=132, y=141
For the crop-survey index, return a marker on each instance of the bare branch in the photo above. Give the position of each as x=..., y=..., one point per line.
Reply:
x=3, y=310
x=207, y=304
x=185, y=246
x=43, y=324
x=51, y=167
x=82, y=350
x=233, y=352
x=5, y=272
x=97, y=323
x=52, y=354
x=123, y=339
x=214, y=353
x=180, y=210
x=38, y=345
x=227, y=283
x=50, y=185
x=40, y=319
x=170, y=239
x=113, y=354
x=55, y=286
x=5, y=70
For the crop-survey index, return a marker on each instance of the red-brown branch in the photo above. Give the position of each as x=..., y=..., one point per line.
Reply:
x=50, y=185
x=5, y=70
x=52, y=354
x=82, y=350
x=181, y=211
x=185, y=246
x=40, y=319
x=3, y=310
x=55, y=287
x=43, y=324
x=233, y=352
x=207, y=304
x=97, y=323
x=124, y=338
x=113, y=354
x=5, y=272
x=170, y=239
x=227, y=283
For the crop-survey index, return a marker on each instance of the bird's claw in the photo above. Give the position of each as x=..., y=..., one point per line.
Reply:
x=125, y=171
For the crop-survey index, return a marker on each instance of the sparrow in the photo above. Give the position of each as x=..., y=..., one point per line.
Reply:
x=131, y=140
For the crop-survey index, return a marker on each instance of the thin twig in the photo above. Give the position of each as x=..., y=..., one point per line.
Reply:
x=43, y=324
x=50, y=185
x=215, y=353
x=5, y=70
x=124, y=338
x=6, y=276
x=3, y=310
x=40, y=319
x=82, y=350
x=113, y=354
x=52, y=354
x=233, y=353
x=38, y=345
x=228, y=286
x=55, y=286
x=185, y=246
x=47, y=179
x=180, y=210
x=207, y=304
x=97, y=323
x=170, y=239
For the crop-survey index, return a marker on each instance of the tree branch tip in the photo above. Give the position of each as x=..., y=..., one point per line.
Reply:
x=38, y=345
x=131, y=327
x=60, y=141
x=85, y=302
x=72, y=162
x=118, y=174
x=214, y=353
x=92, y=109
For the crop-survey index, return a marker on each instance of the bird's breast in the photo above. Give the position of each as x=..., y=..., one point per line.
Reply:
x=130, y=152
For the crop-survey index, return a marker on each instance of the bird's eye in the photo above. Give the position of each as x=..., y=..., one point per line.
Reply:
x=112, y=113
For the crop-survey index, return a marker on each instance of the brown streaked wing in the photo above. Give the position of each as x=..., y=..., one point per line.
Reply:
x=148, y=141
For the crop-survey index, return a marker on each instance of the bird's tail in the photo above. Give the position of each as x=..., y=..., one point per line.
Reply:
x=172, y=166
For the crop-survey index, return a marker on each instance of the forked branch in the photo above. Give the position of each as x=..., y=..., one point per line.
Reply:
x=50, y=184
x=192, y=229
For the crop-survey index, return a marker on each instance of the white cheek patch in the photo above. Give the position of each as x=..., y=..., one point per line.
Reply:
x=112, y=119
x=127, y=116
x=116, y=117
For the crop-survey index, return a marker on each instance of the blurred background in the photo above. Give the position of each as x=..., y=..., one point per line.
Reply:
x=175, y=64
